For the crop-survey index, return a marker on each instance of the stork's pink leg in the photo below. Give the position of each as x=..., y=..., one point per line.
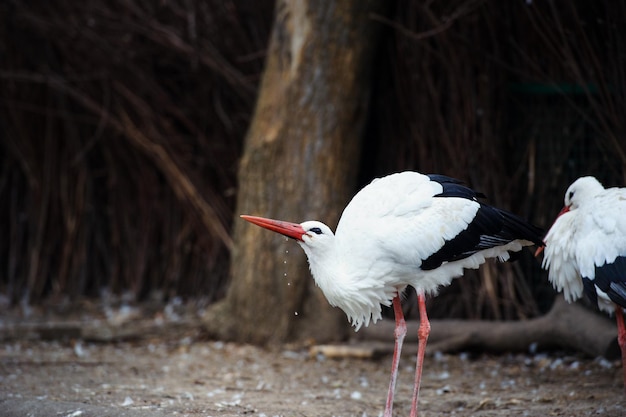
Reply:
x=621, y=339
x=399, y=334
x=422, y=336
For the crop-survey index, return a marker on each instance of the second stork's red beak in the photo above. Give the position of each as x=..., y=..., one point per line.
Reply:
x=564, y=210
x=292, y=230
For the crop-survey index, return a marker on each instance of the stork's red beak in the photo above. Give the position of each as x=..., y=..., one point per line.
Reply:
x=539, y=250
x=564, y=210
x=292, y=230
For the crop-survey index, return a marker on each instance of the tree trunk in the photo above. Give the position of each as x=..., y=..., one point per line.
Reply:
x=300, y=163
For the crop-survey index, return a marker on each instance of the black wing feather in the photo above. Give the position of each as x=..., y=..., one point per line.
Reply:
x=611, y=278
x=490, y=227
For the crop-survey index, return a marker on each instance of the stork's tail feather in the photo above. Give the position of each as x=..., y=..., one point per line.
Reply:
x=611, y=278
x=517, y=228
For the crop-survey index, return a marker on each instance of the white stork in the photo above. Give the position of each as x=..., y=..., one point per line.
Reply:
x=585, y=250
x=400, y=230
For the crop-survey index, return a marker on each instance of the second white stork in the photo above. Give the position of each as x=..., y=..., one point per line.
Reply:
x=585, y=250
x=400, y=230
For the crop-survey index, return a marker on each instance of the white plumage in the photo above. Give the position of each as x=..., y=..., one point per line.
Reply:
x=400, y=230
x=585, y=250
x=589, y=234
x=383, y=236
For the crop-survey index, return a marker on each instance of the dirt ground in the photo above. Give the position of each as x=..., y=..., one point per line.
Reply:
x=183, y=373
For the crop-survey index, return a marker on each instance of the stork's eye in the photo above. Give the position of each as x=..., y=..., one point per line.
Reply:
x=570, y=195
x=316, y=230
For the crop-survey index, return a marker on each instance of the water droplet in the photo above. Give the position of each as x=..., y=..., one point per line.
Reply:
x=285, y=274
x=295, y=313
x=284, y=262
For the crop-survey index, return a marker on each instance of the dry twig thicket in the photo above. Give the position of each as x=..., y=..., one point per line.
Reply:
x=122, y=122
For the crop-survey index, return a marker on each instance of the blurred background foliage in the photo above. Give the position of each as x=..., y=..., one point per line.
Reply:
x=122, y=122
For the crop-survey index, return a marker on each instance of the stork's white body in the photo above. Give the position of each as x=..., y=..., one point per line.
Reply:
x=588, y=236
x=385, y=233
x=586, y=250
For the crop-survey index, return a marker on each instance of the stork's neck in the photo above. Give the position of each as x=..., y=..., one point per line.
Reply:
x=346, y=284
x=325, y=265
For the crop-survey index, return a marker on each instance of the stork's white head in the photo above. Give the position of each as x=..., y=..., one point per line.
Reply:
x=316, y=233
x=317, y=237
x=581, y=190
